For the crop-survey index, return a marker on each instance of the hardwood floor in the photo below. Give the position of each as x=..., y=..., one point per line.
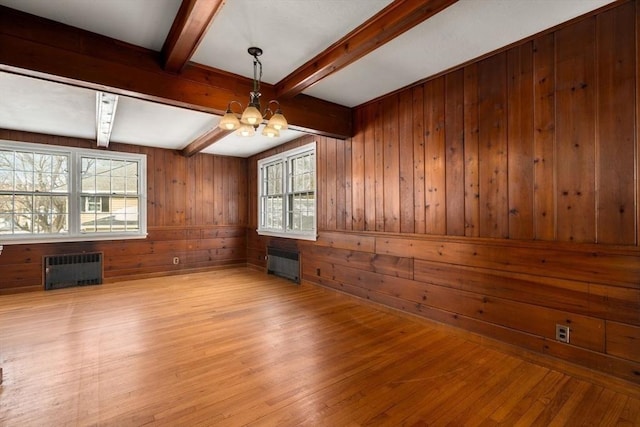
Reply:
x=237, y=347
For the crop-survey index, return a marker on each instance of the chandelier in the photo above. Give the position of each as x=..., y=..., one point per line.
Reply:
x=252, y=117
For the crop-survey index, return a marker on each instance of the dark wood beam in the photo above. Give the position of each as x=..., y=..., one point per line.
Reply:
x=188, y=30
x=203, y=141
x=389, y=23
x=45, y=49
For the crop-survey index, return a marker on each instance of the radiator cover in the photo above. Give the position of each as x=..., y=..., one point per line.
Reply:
x=63, y=271
x=283, y=263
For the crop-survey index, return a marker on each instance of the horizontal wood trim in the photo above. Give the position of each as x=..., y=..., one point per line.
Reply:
x=623, y=341
x=588, y=266
x=357, y=242
x=385, y=264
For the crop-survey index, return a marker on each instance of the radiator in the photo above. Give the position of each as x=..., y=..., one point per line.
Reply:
x=63, y=271
x=283, y=263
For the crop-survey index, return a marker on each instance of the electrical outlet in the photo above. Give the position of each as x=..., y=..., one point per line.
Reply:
x=176, y=260
x=562, y=333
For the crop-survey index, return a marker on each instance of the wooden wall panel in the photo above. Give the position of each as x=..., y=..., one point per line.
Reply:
x=434, y=157
x=575, y=131
x=454, y=152
x=492, y=142
x=616, y=121
x=471, y=153
x=370, y=190
x=181, y=219
x=520, y=137
x=391, y=156
x=544, y=156
x=358, y=174
x=517, y=185
x=406, y=169
x=418, y=159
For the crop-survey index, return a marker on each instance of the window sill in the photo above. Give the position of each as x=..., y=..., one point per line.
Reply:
x=5, y=240
x=298, y=236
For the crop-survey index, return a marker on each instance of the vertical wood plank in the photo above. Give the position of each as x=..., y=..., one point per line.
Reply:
x=331, y=184
x=545, y=190
x=435, y=183
x=348, y=193
x=418, y=159
x=358, y=172
x=471, y=152
x=454, y=142
x=615, y=140
x=321, y=182
x=378, y=142
x=575, y=131
x=341, y=189
x=405, y=139
x=252, y=189
x=246, y=216
x=218, y=191
x=520, y=140
x=492, y=139
x=370, y=168
x=391, y=153
x=151, y=193
x=160, y=186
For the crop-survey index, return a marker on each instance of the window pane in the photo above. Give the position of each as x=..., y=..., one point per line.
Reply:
x=6, y=160
x=6, y=223
x=118, y=184
x=23, y=204
x=23, y=161
x=103, y=184
x=22, y=223
x=59, y=183
x=118, y=168
x=88, y=184
x=6, y=180
x=42, y=162
x=103, y=166
x=24, y=180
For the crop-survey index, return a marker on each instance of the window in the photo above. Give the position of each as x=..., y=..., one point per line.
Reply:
x=287, y=194
x=52, y=193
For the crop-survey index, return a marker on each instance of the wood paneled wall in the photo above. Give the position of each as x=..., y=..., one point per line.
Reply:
x=501, y=197
x=196, y=210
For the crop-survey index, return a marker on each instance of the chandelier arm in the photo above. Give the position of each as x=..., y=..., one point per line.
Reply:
x=234, y=102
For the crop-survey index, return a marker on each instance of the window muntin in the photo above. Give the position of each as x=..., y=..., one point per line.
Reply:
x=287, y=194
x=50, y=193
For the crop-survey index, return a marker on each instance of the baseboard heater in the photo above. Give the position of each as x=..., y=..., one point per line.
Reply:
x=63, y=271
x=283, y=263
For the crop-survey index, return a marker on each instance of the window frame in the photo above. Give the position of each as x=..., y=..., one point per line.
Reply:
x=74, y=194
x=285, y=159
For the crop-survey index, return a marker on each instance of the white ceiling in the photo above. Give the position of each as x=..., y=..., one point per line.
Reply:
x=290, y=32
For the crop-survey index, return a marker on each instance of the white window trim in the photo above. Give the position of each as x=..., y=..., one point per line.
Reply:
x=284, y=156
x=74, y=181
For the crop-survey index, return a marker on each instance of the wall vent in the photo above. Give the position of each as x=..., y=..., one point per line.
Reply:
x=63, y=271
x=283, y=263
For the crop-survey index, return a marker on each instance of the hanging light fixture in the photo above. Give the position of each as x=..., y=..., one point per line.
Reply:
x=252, y=117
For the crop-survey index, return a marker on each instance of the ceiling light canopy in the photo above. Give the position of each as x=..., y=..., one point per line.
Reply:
x=252, y=117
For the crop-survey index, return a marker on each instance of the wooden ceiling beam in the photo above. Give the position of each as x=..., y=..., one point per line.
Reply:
x=389, y=23
x=49, y=50
x=188, y=30
x=205, y=140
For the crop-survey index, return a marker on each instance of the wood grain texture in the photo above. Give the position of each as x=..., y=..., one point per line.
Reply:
x=196, y=211
x=242, y=348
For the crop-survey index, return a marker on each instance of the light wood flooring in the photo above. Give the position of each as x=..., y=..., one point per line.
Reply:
x=237, y=347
